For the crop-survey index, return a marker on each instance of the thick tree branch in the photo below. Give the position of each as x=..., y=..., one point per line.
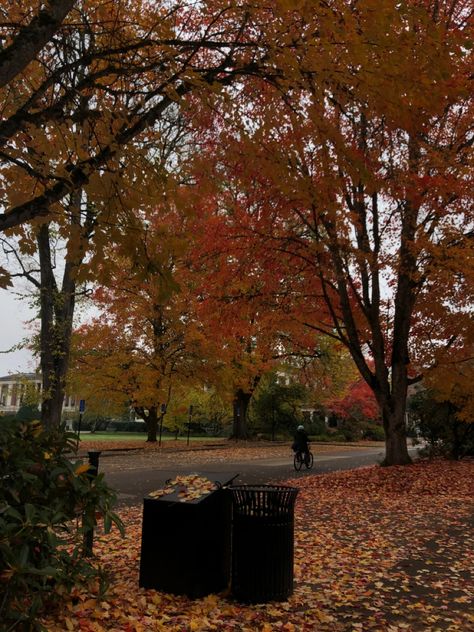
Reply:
x=82, y=171
x=31, y=39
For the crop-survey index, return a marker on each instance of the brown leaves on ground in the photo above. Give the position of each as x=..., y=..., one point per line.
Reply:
x=375, y=549
x=148, y=446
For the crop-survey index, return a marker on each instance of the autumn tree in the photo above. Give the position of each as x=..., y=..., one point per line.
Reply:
x=244, y=300
x=277, y=404
x=365, y=177
x=113, y=67
x=146, y=340
x=59, y=258
x=367, y=162
x=356, y=414
x=86, y=89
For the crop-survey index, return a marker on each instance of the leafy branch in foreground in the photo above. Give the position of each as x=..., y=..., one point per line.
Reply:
x=47, y=502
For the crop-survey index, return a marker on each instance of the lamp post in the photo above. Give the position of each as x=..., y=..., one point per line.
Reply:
x=189, y=421
x=163, y=412
x=88, y=516
x=82, y=407
x=273, y=419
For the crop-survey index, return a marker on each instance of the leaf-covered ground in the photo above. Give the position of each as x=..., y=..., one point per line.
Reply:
x=387, y=549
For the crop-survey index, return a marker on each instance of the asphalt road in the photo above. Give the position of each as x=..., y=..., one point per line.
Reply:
x=132, y=485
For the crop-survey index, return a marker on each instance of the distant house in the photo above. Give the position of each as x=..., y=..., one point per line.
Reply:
x=13, y=389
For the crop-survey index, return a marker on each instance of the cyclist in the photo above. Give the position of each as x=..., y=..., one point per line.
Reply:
x=300, y=443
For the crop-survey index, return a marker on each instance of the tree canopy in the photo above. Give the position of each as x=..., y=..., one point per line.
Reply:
x=322, y=158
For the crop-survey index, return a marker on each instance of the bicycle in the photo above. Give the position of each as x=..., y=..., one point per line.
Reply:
x=301, y=459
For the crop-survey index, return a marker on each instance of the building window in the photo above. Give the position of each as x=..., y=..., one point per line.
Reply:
x=4, y=395
x=14, y=394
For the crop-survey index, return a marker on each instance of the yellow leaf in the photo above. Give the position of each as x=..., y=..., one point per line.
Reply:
x=69, y=624
x=80, y=469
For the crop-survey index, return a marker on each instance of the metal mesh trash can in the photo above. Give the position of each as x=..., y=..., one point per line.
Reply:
x=262, y=542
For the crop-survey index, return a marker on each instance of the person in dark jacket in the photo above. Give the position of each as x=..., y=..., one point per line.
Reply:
x=300, y=443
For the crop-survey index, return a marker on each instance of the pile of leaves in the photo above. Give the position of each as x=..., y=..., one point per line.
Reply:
x=375, y=549
x=191, y=487
x=105, y=443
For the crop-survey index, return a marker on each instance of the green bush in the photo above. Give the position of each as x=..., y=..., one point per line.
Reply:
x=27, y=412
x=350, y=430
x=92, y=424
x=46, y=503
x=328, y=438
x=373, y=432
x=127, y=426
x=438, y=425
x=275, y=408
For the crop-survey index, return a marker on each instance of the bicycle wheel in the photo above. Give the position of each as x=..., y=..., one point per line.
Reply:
x=297, y=462
x=309, y=460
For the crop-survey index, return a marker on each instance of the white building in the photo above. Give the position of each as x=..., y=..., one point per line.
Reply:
x=14, y=387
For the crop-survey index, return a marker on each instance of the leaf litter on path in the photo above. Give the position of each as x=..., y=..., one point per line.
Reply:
x=144, y=456
x=386, y=549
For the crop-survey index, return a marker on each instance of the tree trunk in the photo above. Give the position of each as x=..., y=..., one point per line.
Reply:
x=396, y=448
x=57, y=310
x=152, y=420
x=241, y=403
x=461, y=435
x=391, y=393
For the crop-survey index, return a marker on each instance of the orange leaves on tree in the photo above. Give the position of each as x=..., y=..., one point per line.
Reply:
x=358, y=187
x=359, y=401
x=150, y=339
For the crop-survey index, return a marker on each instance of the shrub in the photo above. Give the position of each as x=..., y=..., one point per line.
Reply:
x=350, y=430
x=92, y=424
x=127, y=426
x=43, y=495
x=439, y=425
x=328, y=438
x=27, y=412
x=373, y=432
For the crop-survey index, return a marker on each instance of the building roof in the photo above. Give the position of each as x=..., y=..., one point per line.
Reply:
x=16, y=377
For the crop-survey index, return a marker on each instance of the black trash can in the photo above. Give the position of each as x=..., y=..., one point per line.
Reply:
x=185, y=548
x=262, y=542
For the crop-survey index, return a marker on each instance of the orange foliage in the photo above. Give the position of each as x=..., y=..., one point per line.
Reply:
x=355, y=177
x=147, y=338
x=359, y=401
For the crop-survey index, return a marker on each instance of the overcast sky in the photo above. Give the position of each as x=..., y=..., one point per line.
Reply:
x=14, y=314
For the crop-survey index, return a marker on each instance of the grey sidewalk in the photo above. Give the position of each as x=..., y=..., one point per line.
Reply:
x=133, y=484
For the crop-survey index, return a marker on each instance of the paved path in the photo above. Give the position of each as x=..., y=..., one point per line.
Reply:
x=133, y=484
